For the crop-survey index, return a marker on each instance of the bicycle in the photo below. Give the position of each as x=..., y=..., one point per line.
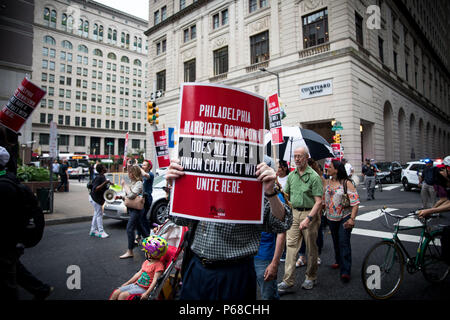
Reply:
x=383, y=265
x=378, y=182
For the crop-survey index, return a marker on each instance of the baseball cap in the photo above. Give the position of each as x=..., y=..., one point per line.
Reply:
x=4, y=156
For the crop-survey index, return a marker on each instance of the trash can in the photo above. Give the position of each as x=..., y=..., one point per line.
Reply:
x=43, y=195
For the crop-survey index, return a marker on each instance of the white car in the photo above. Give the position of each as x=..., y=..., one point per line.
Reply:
x=117, y=209
x=410, y=174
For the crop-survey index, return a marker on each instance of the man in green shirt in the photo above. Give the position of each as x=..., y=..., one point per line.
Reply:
x=305, y=190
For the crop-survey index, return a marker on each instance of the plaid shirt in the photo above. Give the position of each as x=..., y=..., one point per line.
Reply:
x=227, y=241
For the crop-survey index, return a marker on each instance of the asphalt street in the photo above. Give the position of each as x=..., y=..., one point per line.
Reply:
x=69, y=247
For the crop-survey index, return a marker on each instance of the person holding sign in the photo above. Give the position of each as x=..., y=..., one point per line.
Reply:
x=222, y=265
x=305, y=190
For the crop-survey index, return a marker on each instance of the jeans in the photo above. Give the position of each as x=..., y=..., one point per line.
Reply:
x=342, y=245
x=369, y=183
x=97, y=219
x=135, y=223
x=268, y=289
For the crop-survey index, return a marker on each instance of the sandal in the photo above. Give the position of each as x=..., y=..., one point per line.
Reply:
x=300, y=262
x=126, y=255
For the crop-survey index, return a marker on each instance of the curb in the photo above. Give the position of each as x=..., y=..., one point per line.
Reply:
x=50, y=222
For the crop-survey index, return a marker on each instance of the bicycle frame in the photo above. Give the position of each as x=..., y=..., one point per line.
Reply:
x=424, y=235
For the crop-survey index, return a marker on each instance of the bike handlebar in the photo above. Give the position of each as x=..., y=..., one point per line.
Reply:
x=411, y=214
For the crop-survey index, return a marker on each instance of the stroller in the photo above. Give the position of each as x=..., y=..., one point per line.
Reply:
x=168, y=284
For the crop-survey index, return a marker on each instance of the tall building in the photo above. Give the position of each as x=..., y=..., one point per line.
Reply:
x=91, y=60
x=16, y=34
x=380, y=67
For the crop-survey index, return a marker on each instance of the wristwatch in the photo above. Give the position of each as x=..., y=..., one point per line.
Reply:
x=309, y=217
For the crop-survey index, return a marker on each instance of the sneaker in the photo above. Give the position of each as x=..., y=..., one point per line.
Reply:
x=102, y=235
x=300, y=262
x=335, y=266
x=345, y=278
x=319, y=261
x=284, y=288
x=308, y=284
x=94, y=233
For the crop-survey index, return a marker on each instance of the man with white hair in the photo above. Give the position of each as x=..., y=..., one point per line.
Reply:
x=304, y=188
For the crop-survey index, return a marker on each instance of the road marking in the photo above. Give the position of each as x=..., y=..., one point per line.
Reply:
x=409, y=222
x=387, y=235
x=390, y=187
x=372, y=215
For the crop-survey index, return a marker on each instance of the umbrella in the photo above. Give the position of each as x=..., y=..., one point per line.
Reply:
x=295, y=137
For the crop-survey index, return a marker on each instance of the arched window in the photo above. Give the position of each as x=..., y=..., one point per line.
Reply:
x=135, y=43
x=100, y=33
x=82, y=48
x=80, y=27
x=53, y=19
x=49, y=40
x=122, y=38
x=66, y=44
x=127, y=45
x=69, y=24
x=95, y=35
x=98, y=52
x=47, y=16
x=86, y=29
x=112, y=56
x=125, y=59
x=137, y=62
x=64, y=22
x=114, y=37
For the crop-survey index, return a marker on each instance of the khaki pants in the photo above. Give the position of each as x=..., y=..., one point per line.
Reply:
x=294, y=237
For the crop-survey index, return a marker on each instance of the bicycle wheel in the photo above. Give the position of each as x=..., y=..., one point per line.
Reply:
x=434, y=269
x=382, y=270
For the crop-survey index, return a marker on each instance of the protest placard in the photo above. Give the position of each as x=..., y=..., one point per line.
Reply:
x=162, y=150
x=275, y=119
x=221, y=140
x=20, y=106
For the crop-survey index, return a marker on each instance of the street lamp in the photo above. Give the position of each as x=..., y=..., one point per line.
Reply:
x=275, y=74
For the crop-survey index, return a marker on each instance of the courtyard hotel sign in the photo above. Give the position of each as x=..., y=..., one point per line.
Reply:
x=316, y=89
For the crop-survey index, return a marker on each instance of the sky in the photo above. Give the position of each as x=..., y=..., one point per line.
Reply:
x=138, y=8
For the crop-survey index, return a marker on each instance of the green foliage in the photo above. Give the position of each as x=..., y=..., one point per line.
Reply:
x=30, y=173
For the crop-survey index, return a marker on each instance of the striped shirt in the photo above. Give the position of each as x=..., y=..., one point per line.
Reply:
x=228, y=241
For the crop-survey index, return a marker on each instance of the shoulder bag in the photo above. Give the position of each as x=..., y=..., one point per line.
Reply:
x=345, y=200
x=136, y=203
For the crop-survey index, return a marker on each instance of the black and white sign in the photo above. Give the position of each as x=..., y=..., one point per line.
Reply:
x=316, y=89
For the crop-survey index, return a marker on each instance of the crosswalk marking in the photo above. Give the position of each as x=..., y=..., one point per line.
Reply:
x=387, y=235
x=372, y=215
x=390, y=187
x=410, y=222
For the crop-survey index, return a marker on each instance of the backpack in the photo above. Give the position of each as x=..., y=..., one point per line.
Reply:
x=33, y=216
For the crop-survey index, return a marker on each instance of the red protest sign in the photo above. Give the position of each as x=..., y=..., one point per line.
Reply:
x=221, y=139
x=162, y=150
x=337, y=150
x=21, y=105
x=275, y=119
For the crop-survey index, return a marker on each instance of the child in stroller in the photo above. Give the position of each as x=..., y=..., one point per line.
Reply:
x=145, y=280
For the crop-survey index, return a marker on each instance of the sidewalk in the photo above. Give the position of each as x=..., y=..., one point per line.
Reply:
x=72, y=206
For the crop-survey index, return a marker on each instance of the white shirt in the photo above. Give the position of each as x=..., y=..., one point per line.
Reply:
x=282, y=181
x=349, y=169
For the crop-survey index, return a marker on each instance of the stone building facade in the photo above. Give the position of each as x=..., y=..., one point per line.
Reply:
x=369, y=64
x=91, y=60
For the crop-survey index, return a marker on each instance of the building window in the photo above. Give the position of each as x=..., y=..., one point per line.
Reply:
x=156, y=17
x=63, y=140
x=182, y=4
x=221, y=61
x=53, y=19
x=359, y=29
x=381, y=49
x=190, y=33
x=161, y=47
x=49, y=40
x=220, y=19
x=44, y=138
x=254, y=5
x=189, y=71
x=395, y=61
x=259, y=47
x=163, y=13
x=135, y=143
x=315, y=29
x=161, y=80
x=80, y=141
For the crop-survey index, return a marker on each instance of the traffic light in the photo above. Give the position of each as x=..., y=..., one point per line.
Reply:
x=338, y=138
x=152, y=112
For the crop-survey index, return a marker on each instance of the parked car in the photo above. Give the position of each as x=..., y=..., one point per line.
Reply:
x=390, y=172
x=410, y=175
x=117, y=209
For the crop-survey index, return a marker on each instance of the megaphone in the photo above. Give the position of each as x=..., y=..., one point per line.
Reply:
x=109, y=195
